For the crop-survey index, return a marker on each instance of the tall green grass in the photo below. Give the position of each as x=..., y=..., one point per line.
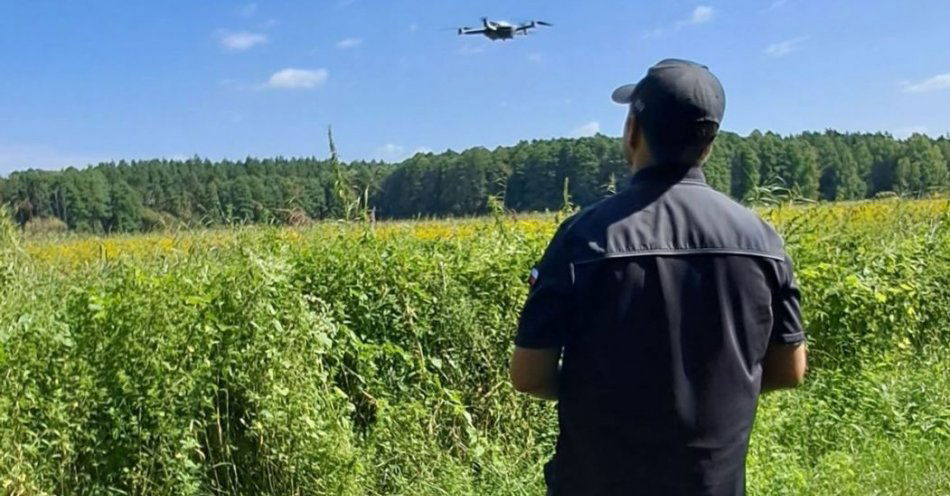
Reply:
x=344, y=359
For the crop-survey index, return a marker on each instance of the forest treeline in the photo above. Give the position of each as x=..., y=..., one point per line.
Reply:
x=530, y=176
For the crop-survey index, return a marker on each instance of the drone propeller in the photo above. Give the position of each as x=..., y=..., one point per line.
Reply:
x=526, y=25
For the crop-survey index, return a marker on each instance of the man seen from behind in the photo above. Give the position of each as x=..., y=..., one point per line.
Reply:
x=657, y=316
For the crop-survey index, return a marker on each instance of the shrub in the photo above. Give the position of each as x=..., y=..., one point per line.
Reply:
x=359, y=359
x=45, y=226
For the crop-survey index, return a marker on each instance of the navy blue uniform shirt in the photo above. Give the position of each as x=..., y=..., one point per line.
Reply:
x=663, y=298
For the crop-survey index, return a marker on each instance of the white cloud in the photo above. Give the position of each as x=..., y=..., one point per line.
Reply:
x=936, y=83
x=776, y=4
x=784, y=48
x=391, y=148
x=908, y=131
x=349, y=43
x=700, y=15
x=391, y=152
x=589, y=129
x=293, y=79
x=535, y=57
x=247, y=10
x=241, y=41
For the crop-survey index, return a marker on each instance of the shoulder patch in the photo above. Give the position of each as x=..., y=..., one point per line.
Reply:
x=533, y=277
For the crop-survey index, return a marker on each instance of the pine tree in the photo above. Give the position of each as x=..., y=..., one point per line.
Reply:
x=802, y=162
x=745, y=171
x=718, y=169
x=851, y=185
x=126, y=208
x=771, y=161
x=864, y=162
x=830, y=166
x=921, y=167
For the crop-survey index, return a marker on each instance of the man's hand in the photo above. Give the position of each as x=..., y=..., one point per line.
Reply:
x=783, y=366
x=535, y=371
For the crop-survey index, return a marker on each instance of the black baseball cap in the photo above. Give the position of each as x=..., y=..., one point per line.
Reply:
x=673, y=94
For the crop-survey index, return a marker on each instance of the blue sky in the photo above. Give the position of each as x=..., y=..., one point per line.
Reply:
x=96, y=80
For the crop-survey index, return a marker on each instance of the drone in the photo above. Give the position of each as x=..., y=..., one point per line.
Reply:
x=502, y=30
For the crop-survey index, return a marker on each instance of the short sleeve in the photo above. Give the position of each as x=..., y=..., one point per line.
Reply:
x=546, y=315
x=786, y=308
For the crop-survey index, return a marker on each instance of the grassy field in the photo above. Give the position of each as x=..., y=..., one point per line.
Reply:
x=354, y=359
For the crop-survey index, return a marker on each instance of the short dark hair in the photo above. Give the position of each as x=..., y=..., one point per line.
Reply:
x=679, y=143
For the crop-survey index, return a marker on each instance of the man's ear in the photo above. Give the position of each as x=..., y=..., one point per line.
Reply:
x=633, y=131
x=707, y=152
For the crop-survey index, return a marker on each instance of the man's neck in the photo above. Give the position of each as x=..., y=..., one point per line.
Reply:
x=637, y=167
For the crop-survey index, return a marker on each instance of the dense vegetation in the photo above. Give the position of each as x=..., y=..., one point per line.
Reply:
x=357, y=359
x=530, y=176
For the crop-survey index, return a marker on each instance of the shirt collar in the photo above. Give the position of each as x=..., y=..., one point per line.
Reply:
x=669, y=174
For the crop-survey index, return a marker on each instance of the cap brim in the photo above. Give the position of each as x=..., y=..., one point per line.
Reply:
x=624, y=94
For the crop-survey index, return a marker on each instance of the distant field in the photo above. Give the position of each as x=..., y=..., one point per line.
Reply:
x=356, y=359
